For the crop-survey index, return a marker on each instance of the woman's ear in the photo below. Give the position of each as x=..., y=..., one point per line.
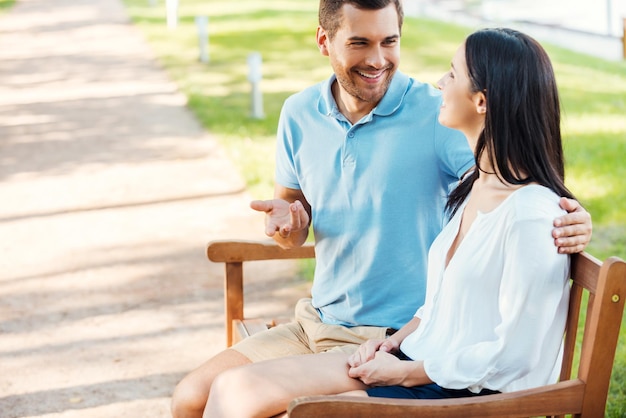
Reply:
x=480, y=100
x=322, y=40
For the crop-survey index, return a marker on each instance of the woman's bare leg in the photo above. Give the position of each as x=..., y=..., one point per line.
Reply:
x=360, y=393
x=191, y=393
x=265, y=389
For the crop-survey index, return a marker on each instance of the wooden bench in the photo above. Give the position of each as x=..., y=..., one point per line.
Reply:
x=234, y=254
x=582, y=395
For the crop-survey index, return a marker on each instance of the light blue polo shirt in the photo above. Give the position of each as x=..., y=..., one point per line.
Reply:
x=377, y=190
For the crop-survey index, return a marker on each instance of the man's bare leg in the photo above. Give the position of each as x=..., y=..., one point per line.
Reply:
x=266, y=388
x=191, y=393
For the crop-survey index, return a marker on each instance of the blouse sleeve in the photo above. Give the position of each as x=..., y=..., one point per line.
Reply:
x=533, y=305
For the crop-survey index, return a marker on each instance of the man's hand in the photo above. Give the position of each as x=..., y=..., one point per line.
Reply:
x=281, y=216
x=572, y=232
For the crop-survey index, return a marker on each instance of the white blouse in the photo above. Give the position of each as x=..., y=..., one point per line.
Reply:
x=495, y=317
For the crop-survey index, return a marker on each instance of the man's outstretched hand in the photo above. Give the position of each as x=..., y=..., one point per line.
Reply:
x=282, y=217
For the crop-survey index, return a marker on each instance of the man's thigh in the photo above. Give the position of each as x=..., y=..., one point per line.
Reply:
x=306, y=335
x=279, y=341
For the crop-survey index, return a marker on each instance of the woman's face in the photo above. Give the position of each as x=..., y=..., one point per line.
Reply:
x=461, y=108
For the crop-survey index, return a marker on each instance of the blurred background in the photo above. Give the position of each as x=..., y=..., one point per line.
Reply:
x=590, y=26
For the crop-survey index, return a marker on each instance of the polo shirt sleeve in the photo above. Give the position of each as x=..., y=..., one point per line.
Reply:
x=285, y=171
x=453, y=151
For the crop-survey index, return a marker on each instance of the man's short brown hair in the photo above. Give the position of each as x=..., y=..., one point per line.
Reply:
x=330, y=12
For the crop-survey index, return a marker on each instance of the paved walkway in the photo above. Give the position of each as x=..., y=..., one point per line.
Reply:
x=575, y=25
x=109, y=191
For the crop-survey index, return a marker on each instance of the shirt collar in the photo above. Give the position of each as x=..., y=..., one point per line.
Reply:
x=390, y=102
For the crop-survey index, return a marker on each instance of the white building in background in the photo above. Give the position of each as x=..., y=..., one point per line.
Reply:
x=594, y=27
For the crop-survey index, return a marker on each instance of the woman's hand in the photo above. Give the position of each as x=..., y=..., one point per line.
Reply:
x=368, y=350
x=384, y=369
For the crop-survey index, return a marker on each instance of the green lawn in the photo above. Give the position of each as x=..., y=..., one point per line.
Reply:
x=593, y=93
x=6, y=4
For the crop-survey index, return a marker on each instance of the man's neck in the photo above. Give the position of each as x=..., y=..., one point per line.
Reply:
x=349, y=106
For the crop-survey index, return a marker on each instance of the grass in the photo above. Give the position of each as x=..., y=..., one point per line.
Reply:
x=6, y=5
x=593, y=93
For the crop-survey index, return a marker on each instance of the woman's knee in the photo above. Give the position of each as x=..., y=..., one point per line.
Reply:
x=233, y=381
x=191, y=393
x=189, y=398
x=232, y=395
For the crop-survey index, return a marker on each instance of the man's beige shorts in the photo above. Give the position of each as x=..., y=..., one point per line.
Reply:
x=307, y=334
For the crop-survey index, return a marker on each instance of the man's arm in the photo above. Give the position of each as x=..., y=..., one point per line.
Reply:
x=288, y=213
x=572, y=232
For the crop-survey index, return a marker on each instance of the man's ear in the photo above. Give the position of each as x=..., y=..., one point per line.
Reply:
x=480, y=100
x=322, y=41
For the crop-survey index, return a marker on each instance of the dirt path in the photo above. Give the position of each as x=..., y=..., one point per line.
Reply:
x=109, y=192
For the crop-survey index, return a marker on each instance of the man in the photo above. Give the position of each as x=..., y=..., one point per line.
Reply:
x=363, y=159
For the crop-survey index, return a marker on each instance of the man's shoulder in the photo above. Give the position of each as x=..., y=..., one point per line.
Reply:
x=407, y=97
x=421, y=91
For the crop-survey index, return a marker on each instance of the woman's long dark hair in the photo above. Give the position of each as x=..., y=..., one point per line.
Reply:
x=523, y=122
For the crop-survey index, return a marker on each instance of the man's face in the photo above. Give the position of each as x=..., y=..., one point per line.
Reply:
x=365, y=51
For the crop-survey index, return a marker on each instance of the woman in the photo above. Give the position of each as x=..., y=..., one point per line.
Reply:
x=497, y=290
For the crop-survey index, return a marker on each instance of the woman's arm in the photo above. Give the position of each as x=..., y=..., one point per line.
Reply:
x=532, y=304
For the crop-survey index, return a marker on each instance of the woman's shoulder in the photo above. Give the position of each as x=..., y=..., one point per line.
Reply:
x=535, y=201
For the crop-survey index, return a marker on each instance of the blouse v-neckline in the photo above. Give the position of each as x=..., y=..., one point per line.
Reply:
x=458, y=217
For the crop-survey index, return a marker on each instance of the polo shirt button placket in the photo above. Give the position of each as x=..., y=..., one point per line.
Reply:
x=350, y=154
